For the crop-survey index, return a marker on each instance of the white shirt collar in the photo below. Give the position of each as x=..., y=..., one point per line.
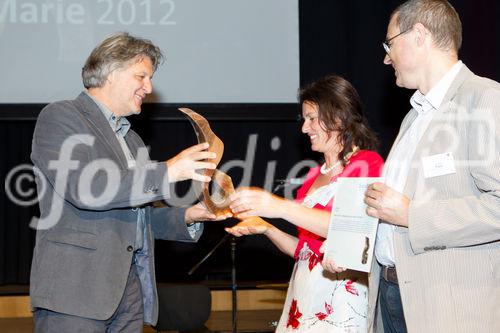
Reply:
x=435, y=96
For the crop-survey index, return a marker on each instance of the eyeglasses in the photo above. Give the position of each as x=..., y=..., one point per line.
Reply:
x=386, y=44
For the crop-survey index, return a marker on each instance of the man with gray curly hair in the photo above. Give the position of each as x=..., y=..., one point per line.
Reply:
x=93, y=262
x=114, y=53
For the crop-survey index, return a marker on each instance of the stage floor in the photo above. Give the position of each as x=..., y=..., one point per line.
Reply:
x=219, y=321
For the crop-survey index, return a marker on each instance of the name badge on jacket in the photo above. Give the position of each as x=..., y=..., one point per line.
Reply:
x=438, y=165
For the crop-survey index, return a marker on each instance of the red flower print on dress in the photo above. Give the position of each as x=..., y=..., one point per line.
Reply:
x=323, y=315
x=294, y=315
x=350, y=288
x=313, y=260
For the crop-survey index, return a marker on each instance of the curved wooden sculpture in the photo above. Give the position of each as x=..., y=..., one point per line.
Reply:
x=216, y=201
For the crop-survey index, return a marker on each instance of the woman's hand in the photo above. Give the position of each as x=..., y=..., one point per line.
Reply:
x=328, y=263
x=250, y=226
x=251, y=201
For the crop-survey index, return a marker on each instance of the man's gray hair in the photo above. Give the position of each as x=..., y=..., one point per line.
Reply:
x=438, y=16
x=115, y=52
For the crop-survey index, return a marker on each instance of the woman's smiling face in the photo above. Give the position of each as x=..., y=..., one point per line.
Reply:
x=322, y=141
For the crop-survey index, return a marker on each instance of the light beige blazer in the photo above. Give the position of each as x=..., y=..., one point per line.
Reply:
x=448, y=260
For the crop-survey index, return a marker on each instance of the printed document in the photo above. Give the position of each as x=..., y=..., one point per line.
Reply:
x=351, y=234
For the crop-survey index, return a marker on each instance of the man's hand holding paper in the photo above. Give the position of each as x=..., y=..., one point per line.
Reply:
x=387, y=204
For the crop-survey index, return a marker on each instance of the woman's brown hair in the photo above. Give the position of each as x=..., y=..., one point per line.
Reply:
x=340, y=110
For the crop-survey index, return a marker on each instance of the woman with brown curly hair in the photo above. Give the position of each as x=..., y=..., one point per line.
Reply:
x=318, y=300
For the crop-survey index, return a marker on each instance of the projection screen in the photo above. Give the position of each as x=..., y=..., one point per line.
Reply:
x=217, y=51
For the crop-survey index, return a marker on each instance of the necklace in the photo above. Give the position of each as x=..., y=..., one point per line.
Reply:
x=324, y=170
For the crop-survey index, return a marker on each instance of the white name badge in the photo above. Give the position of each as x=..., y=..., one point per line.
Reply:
x=438, y=165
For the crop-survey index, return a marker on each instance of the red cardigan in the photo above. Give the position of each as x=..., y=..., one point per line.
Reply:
x=364, y=163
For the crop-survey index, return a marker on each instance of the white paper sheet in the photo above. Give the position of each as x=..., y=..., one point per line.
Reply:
x=351, y=234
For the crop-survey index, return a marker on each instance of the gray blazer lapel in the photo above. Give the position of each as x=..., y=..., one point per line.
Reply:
x=427, y=146
x=462, y=76
x=100, y=126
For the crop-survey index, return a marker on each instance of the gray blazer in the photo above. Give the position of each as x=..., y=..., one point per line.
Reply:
x=81, y=263
x=448, y=260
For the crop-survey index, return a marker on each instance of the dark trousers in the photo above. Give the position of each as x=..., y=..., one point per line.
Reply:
x=128, y=317
x=391, y=307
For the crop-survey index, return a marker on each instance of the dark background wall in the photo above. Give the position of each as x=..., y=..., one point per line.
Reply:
x=342, y=37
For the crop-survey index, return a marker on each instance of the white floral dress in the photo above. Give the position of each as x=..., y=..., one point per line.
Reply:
x=317, y=300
